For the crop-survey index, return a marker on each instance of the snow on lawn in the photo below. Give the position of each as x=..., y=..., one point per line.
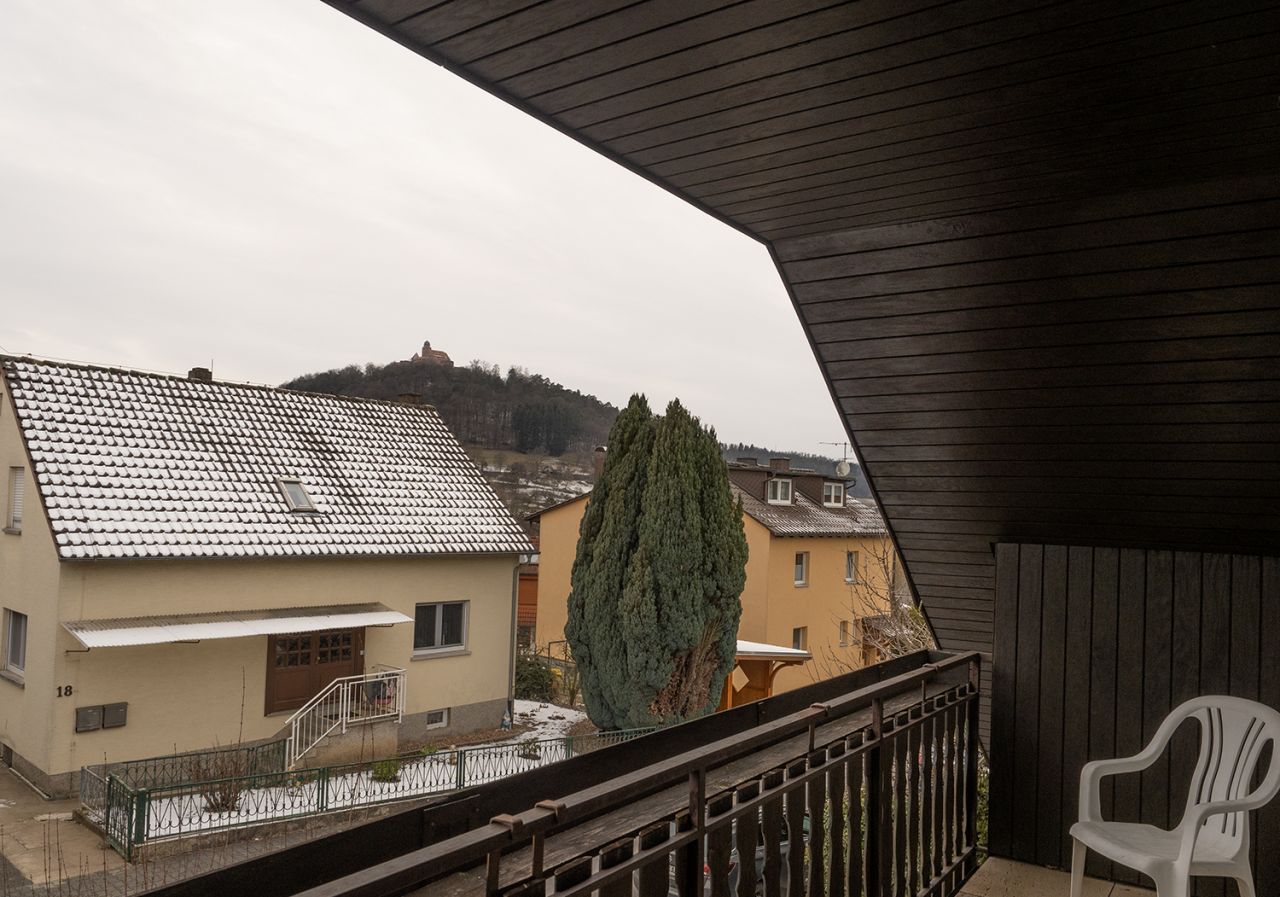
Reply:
x=546, y=720
x=299, y=793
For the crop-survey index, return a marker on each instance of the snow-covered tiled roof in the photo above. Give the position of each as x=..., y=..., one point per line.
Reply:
x=138, y=465
x=805, y=517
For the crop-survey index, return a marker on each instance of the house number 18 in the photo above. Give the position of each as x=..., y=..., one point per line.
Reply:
x=64, y=691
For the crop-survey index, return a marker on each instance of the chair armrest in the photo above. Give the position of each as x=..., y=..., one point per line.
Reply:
x=1195, y=816
x=1092, y=774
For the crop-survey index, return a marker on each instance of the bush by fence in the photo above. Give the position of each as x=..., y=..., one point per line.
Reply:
x=534, y=679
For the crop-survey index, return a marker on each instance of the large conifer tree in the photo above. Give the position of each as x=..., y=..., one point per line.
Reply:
x=656, y=584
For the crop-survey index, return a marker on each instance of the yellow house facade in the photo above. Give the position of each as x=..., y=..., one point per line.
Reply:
x=185, y=564
x=817, y=569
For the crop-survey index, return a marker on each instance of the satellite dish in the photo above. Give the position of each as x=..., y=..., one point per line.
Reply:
x=843, y=468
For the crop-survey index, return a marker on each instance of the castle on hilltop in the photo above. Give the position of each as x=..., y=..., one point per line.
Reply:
x=429, y=355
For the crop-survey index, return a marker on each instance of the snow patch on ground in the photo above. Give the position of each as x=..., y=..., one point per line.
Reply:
x=546, y=720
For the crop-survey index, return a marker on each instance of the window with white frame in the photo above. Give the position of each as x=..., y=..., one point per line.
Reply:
x=833, y=495
x=441, y=626
x=17, y=494
x=802, y=568
x=296, y=495
x=844, y=633
x=15, y=642
x=778, y=491
x=851, y=566
x=437, y=719
x=800, y=638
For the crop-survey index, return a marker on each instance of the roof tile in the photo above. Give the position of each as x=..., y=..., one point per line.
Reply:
x=132, y=464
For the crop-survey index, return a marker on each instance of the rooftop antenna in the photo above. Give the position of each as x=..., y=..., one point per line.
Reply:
x=842, y=466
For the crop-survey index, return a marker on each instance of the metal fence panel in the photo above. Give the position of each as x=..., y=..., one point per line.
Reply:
x=119, y=816
x=93, y=793
x=150, y=799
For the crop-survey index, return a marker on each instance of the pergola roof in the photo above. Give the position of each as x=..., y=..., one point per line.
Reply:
x=1034, y=246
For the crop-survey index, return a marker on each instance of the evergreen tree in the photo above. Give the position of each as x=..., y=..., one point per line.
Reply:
x=656, y=584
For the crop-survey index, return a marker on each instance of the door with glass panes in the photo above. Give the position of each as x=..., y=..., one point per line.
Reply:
x=301, y=665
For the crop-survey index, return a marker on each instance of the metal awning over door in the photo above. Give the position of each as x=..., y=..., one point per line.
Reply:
x=126, y=631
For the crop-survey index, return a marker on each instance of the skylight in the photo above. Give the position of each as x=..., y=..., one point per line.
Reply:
x=295, y=495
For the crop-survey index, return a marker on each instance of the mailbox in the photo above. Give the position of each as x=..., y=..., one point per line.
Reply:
x=88, y=718
x=114, y=715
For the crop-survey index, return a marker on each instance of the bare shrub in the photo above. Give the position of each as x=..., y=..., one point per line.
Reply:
x=220, y=778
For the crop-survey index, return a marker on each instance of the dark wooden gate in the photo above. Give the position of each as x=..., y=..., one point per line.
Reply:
x=300, y=665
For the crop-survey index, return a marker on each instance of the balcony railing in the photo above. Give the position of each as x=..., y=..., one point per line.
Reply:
x=872, y=793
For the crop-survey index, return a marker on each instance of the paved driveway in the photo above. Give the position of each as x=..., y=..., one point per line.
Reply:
x=41, y=843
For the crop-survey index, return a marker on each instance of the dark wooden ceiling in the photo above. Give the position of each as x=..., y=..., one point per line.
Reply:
x=1035, y=245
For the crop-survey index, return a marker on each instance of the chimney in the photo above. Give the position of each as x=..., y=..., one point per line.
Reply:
x=780, y=464
x=204, y=375
x=598, y=458
x=409, y=398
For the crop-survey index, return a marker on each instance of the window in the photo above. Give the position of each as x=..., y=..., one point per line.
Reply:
x=778, y=492
x=802, y=568
x=524, y=638
x=15, y=643
x=17, y=491
x=844, y=633
x=437, y=719
x=851, y=566
x=440, y=626
x=296, y=496
x=833, y=495
x=800, y=638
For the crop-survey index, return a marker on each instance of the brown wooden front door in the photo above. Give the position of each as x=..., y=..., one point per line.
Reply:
x=299, y=666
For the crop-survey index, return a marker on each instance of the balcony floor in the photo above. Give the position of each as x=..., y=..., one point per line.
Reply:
x=1005, y=878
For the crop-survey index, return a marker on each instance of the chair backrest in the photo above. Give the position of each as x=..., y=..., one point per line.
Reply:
x=1233, y=734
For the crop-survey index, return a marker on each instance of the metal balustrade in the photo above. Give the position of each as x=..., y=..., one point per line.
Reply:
x=368, y=698
x=874, y=793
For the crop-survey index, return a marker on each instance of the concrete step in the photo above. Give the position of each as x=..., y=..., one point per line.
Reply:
x=361, y=741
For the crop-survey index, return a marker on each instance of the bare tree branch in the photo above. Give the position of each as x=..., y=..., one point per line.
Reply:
x=881, y=621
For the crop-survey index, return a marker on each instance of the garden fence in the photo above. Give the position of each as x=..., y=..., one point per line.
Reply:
x=149, y=800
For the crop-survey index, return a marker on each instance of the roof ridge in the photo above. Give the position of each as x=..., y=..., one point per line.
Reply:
x=49, y=361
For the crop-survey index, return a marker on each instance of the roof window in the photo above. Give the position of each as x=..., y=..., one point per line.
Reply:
x=295, y=495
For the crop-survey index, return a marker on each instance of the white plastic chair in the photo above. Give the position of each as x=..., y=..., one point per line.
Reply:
x=1213, y=837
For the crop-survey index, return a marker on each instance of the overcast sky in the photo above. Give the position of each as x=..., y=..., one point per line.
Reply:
x=269, y=185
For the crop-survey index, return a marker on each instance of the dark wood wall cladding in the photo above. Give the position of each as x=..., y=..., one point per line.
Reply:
x=813, y=116
x=1094, y=647
x=1035, y=245
x=1103, y=371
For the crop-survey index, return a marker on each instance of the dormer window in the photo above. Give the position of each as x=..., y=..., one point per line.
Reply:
x=295, y=495
x=833, y=495
x=778, y=492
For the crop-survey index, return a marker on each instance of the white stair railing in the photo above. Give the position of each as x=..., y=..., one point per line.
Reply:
x=369, y=698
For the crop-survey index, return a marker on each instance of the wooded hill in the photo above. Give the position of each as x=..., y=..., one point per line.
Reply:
x=521, y=411
x=531, y=437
